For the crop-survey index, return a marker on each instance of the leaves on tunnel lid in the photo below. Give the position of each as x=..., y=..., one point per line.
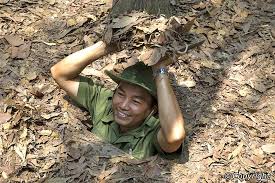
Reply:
x=140, y=30
x=153, y=55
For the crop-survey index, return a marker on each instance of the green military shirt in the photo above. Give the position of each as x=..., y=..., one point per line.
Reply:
x=140, y=142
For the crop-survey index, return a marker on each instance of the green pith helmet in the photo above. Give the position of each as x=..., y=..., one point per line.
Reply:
x=138, y=74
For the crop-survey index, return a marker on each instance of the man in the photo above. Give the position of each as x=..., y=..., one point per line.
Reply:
x=125, y=118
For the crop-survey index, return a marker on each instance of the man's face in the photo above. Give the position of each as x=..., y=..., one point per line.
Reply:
x=131, y=105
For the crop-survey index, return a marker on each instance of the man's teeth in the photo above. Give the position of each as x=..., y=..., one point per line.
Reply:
x=122, y=114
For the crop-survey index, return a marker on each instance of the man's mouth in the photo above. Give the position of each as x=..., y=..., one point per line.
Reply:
x=122, y=114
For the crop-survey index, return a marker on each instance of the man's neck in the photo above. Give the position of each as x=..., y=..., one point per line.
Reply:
x=123, y=129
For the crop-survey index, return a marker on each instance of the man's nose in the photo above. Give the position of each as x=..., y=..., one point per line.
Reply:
x=125, y=104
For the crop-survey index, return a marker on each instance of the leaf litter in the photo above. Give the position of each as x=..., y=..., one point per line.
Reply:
x=225, y=88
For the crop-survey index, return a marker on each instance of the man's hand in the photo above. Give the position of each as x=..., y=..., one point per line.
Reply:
x=162, y=64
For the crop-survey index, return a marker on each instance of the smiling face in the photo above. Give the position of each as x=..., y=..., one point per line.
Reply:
x=131, y=105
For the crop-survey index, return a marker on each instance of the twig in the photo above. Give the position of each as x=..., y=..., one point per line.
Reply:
x=46, y=43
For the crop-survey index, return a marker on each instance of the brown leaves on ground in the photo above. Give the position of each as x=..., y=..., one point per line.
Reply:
x=225, y=89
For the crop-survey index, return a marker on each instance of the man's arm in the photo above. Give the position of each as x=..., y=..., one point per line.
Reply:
x=172, y=132
x=66, y=72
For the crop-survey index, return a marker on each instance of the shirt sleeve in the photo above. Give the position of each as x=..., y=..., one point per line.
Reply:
x=93, y=97
x=173, y=155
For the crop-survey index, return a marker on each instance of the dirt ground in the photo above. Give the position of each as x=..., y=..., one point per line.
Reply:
x=225, y=89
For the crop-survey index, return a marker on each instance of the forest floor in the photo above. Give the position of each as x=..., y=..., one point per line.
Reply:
x=225, y=89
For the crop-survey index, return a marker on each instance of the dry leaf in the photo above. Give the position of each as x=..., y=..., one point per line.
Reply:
x=153, y=171
x=7, y=126
x=51, y=2
x=269, y=148
x=55, y=135
x=4, y=60
x=41, y=89
x=51, y=115
x=37, y=93
x=187, y=27
x=118, y=159
x=49, y=164
x=21, y=151
x=71, y=22
x=22, y=51
x=246, y=27
x=89, y=71
x=45, y=132
x=248, y=162
x=258, y=160
x=108, y=35
x=216, y=2
x=244, y=91
x=152, y=56
x=5, y=175
x=16, y=118
x=173, y=2
x=4, y=117
x=14, y=40
x=187, y=83
x=24, y=133
x=210, y=64
x=236, y=151
x=74, y=152
x=57, y=180
x=31, y=76
x=123, y=21
x=200, y=6
x=103, y=175
x=89, y=39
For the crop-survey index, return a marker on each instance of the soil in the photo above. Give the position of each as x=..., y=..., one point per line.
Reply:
x=225, y=89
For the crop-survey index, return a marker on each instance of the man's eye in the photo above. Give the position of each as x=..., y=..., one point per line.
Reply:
x=136, y=102
x=120, y=94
